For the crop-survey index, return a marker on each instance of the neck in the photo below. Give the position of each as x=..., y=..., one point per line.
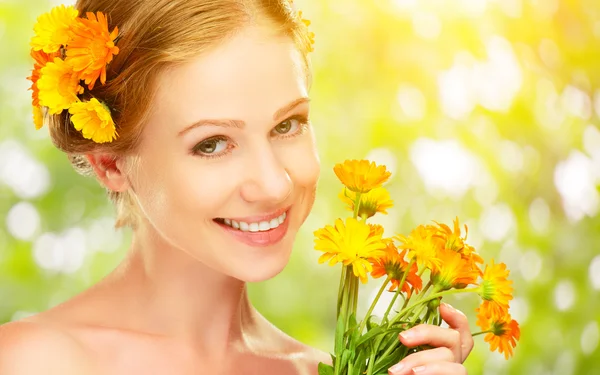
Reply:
x=165, y=291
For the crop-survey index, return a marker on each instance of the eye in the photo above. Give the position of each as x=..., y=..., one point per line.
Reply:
x=211, y=146
x=286, y=126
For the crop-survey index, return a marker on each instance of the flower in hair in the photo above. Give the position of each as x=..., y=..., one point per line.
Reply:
x=91, y=48
x=93, y=120
x=38, y=117
x=52, y=29
x=58, y=86
x=69, y=51
x=41, y=59
x=311, y=35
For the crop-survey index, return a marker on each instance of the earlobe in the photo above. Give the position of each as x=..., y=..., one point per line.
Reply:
x=109, y=171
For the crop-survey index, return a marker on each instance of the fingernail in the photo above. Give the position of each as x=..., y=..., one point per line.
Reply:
x=418, y=369
x=407, y=334
x=448, y=306
x=397, y=368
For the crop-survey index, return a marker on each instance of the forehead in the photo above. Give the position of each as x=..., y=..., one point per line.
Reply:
x=250, y=75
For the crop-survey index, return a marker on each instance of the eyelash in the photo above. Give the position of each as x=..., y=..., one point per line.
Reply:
x=303, y=123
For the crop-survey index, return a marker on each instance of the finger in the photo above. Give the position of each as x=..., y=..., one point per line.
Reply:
x=458, y=321
x=440, y=368
x=422, y=358
x=435, y=336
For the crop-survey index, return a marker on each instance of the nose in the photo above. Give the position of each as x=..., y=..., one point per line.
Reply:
x=267, y=178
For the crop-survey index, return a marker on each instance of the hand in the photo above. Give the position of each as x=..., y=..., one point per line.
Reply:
x=452, y=346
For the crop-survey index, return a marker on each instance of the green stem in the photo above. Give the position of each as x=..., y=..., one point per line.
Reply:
x=387, y=312
x=481, y=333
x=364, y=321
x=432, y=297
x=356, y=205
x=355, y=295
x=341, y=290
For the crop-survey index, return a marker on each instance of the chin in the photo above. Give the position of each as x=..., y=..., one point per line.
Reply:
x=262, y=267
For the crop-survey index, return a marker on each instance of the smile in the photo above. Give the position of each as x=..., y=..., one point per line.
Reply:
x=258, y=231
x=259, y=226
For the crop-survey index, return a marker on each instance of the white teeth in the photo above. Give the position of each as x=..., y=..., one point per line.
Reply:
x=262, y=226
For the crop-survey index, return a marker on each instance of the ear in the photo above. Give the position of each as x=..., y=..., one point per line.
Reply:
x=110, y=171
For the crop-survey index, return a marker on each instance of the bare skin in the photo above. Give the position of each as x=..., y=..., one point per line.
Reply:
x=178, y=304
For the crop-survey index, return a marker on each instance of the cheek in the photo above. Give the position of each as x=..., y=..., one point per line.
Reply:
x=179, y=191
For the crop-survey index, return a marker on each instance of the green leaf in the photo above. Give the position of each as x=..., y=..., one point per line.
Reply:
x=339, y=335
x=367, y=336
x=344, y=362
x=387, y=362
x=370, y=324
x=360, y=364
x=325, y=369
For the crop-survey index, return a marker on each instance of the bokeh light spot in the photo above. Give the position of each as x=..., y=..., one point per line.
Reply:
x=564, y=295
x=539, y=215
x=530, y=265
x=23, y=221
x=589, y=338
x=496, y=222
x=594, y=272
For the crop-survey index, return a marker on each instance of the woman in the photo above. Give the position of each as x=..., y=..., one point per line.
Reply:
x=214, y=166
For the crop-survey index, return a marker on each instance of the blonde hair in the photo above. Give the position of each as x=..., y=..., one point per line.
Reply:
x=155, y=35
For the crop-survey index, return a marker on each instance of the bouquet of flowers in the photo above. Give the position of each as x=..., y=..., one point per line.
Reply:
x=435, y=255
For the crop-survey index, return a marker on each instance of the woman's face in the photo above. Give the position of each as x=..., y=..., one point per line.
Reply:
x=227, y=167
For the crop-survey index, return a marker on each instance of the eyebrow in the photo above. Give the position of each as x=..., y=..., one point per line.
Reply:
x=228, y=123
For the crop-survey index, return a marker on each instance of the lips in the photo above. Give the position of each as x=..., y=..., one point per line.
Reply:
x=259, y=231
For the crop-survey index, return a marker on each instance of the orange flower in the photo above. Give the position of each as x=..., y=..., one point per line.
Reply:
x=421, y=245
x=376, y=230
x=361, y=176
x=394, y=265
x=350, y=243
x=453, y=240
x=496, y=289
x=91, y=48
x=41, y=59
x=504, y=331
x=452, y=272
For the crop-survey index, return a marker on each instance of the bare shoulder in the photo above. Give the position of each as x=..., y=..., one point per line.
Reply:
x=28, y=347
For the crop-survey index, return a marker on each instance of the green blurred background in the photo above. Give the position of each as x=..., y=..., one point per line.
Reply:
x=484, y=109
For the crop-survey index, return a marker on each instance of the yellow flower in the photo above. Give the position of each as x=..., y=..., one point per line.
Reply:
x=52, y=29
x=505, y=331
x=496, y=289
x=41, y=59
x=38, y=117
x=93, y=120
x=393, y=264
x=452, y=272
x=376, y=200
x=361, y=176
x=421, y=245
x=91, y=48
x=350, y=243
x=58, y=86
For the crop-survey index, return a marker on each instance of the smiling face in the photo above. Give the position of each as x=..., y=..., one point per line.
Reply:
x=227, y=165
